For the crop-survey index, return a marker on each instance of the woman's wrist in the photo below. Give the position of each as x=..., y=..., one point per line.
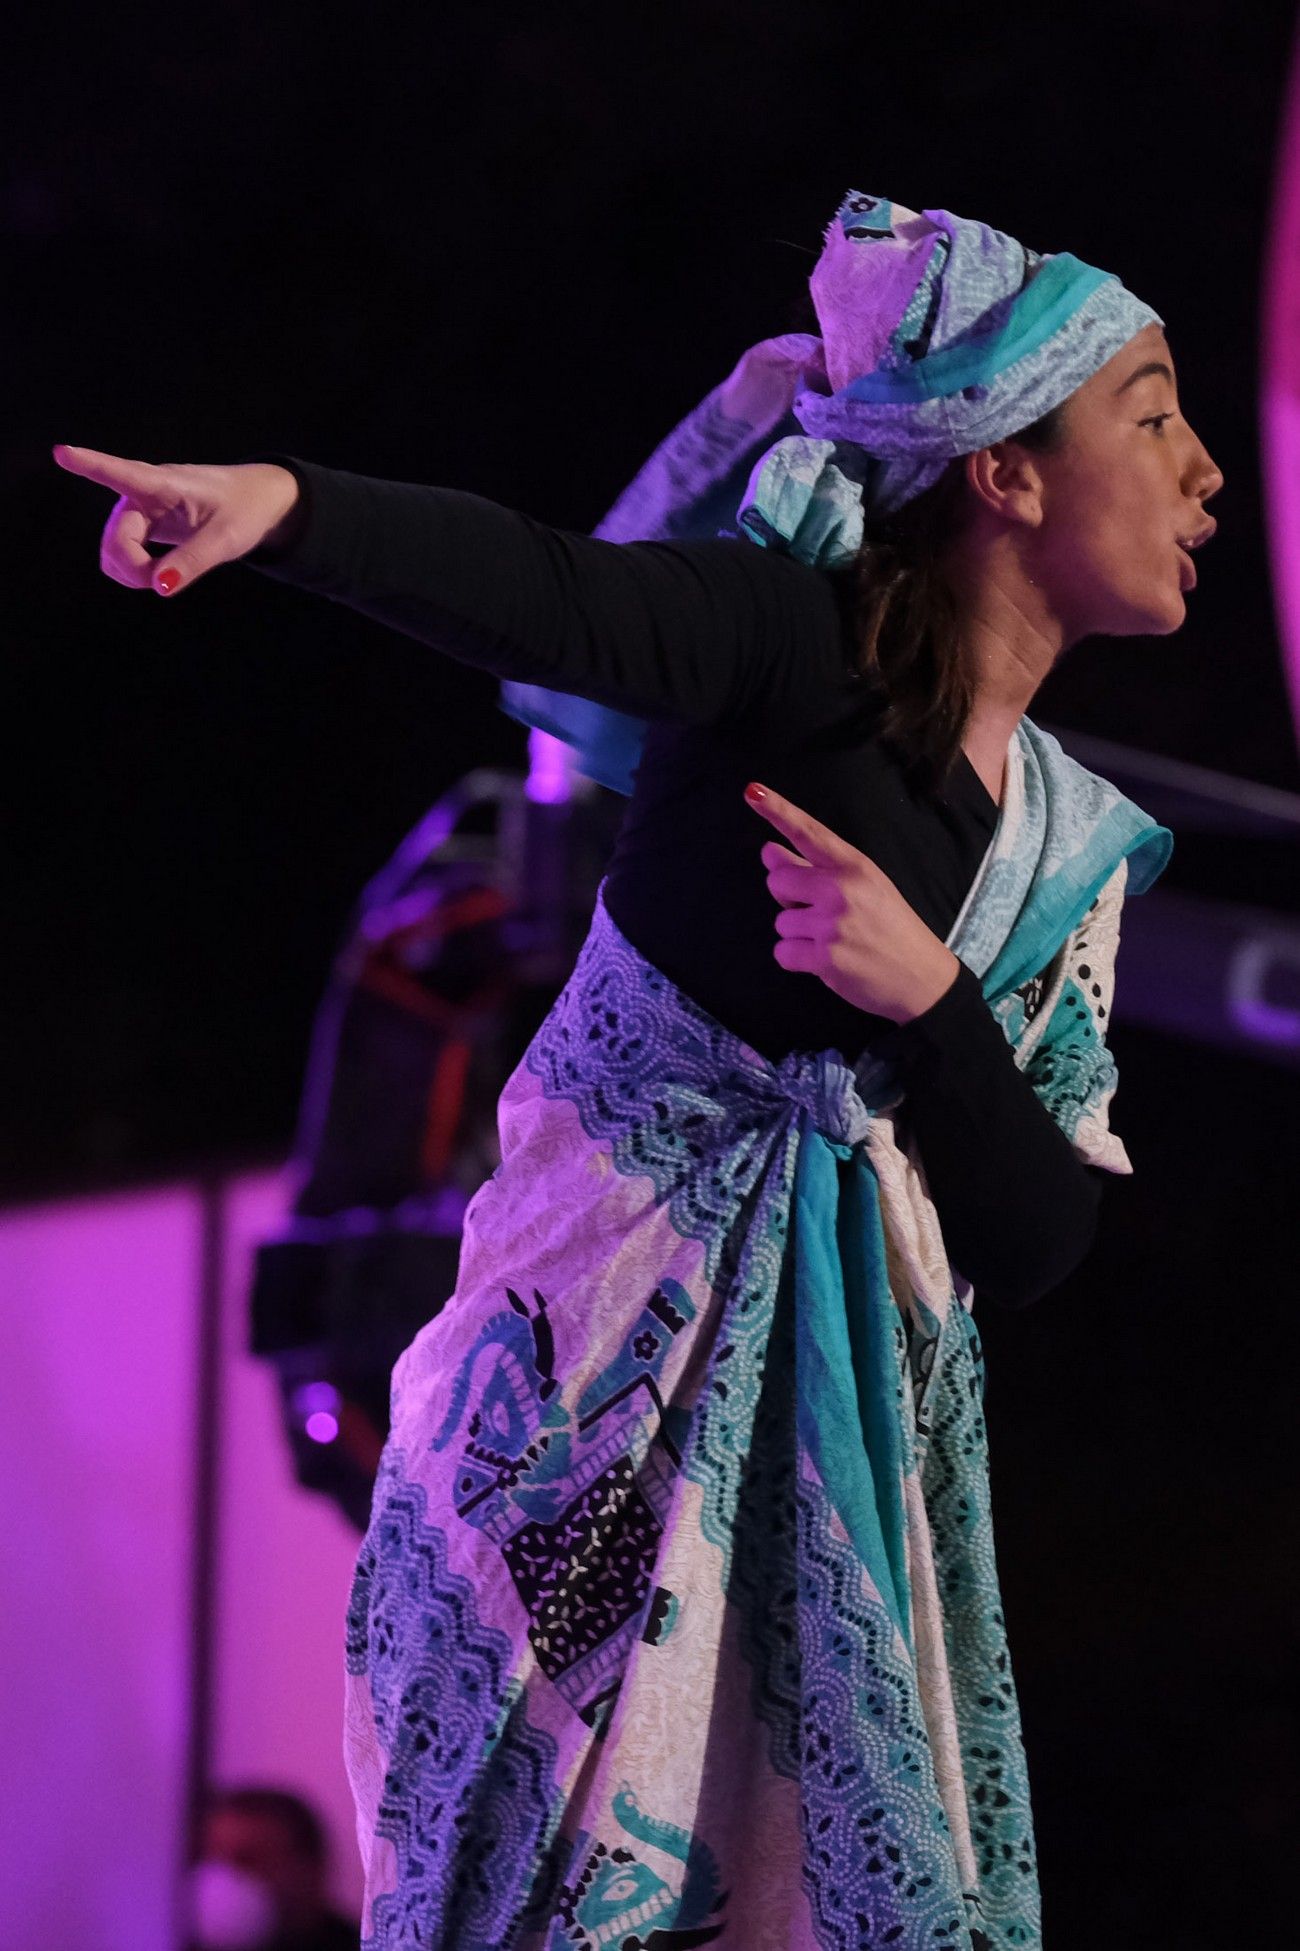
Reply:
x=932, y=982
x=285, y=494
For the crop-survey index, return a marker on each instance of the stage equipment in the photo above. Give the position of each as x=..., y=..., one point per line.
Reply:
x=455, y=953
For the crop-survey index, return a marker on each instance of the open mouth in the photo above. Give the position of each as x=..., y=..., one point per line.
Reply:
x=1187, y=543
x=1189, y=578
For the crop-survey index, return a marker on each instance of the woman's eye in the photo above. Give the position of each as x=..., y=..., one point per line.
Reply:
x=1157, y=420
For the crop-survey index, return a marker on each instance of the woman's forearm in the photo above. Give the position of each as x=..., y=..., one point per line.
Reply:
x=680, y=630
x=1017, y=1207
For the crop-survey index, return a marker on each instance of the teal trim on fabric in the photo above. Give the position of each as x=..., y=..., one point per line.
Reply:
x=1029, y=951
x=1064, y=284
x=855, y=1447
x=1148, y=858
x=1077, y=828
x=872, y=1322
x=1062, y=831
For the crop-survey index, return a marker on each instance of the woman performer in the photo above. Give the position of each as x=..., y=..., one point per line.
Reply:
x=677, y=1620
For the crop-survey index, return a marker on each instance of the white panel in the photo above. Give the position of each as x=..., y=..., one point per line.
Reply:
x=284, y=1568
x=97, y=1391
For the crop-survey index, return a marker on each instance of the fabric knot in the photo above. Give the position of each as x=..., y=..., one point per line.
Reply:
x=805, y=498
x=826, y=1089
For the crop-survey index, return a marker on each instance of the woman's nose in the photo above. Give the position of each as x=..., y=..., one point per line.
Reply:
x=1203, y=475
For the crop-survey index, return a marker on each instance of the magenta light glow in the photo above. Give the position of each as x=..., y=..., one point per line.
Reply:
x=550, y=770
x=1280, y=386
x=317, y=1403
x=97, y=1474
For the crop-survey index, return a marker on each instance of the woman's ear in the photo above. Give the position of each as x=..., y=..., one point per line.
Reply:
x=1007, y=481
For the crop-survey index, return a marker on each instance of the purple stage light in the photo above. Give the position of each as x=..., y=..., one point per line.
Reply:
x=311, y=1397
x=321, y=1426
x=1267, y=1017
x=550, y=770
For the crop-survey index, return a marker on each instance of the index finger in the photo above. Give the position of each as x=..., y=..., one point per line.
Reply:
x=815, y=842
x=108, y=470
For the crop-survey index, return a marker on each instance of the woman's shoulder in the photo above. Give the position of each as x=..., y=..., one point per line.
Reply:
x=763, y=567
x=803, y=616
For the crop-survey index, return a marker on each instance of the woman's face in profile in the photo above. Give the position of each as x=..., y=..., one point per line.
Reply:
x=1123, y=499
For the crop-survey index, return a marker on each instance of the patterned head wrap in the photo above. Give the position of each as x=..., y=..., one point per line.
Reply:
x=939, y=336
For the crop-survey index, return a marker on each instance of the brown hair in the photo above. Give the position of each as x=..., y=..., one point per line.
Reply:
x=908, y=630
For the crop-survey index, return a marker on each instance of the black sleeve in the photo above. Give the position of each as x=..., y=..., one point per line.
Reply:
x=695, y=631
x=1017, y=1207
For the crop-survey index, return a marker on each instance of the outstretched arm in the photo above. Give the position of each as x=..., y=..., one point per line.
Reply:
x=695, y=631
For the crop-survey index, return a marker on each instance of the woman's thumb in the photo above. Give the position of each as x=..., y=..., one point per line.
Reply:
x=184, y=565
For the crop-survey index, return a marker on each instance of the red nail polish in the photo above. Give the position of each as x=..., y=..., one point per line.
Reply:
x=168, y=580
x=754, y=792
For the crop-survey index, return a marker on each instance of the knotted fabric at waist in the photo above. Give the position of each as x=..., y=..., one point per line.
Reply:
x=679, y=1098
x=828, y=1092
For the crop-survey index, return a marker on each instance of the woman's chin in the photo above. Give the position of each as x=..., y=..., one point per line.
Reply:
x=1175, y=617
x=1153, y=621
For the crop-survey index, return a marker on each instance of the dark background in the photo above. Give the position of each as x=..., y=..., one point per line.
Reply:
x=505, y=248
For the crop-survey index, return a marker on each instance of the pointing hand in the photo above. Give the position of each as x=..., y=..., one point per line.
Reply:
x=208, y=515
x=842, y=919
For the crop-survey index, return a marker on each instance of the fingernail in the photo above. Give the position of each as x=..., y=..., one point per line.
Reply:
x=167, y=581
x=754, y=792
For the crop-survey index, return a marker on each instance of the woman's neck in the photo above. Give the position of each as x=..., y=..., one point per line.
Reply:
x=1013, y=641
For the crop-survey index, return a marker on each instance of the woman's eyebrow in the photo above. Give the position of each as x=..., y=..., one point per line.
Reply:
x=1145, y=372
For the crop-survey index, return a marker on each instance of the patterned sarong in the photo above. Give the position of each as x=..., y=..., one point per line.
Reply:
x=677, y=1622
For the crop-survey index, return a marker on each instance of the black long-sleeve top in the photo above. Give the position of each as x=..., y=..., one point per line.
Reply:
x=742, y=659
